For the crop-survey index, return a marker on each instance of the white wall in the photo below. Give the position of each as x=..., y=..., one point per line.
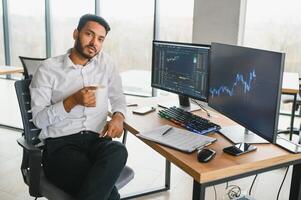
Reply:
x=218, y=21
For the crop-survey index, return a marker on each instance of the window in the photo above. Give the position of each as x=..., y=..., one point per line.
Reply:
x=275, y=25
x=131, y=35
x=175, y=20
x=130, y=41
x=65, y=15
x=175, y=23
x=27, y=29
x=2, y=59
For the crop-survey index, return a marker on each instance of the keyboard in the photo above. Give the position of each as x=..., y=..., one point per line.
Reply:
x=188, y=120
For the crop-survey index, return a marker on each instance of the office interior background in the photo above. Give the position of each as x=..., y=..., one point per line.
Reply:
x=43, y=28
x=46, y=27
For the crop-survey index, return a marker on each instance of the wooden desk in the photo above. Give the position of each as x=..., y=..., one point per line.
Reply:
x=290, y=86
x=224, y=167
x=290, y=83
x=10, y=70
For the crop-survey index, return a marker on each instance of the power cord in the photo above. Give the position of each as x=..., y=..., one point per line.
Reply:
x=279, y=187
x=215, y=194
x=282, y=183
x=250, y=190
x=234, y=191
x=202, y=107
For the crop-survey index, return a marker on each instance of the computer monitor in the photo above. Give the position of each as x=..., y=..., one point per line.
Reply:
x=245, y=85
x=181, y=68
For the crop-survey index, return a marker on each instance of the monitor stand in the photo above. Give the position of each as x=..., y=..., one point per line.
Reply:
x=288, y=145
x=238, y=134
x=183, y=103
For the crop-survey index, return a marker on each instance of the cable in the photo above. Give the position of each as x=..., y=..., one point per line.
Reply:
x=234, y=192
x=215, y=194
x=227, y=185
x=202, y=107
x=282, y=183
x=252, y=184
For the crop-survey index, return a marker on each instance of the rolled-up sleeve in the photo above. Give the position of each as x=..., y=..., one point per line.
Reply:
x=45, y=113
x=116, y=96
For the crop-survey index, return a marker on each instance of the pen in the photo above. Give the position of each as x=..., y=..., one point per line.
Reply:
x=208, y=144
x=131, y=104
x=166, y=131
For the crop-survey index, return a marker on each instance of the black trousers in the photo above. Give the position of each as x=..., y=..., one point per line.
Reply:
x=84, y=165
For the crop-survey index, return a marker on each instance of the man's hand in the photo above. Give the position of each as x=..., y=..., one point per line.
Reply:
x=114, y=128
x=85, y=97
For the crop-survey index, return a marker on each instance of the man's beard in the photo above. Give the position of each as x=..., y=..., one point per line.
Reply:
x=80, y=49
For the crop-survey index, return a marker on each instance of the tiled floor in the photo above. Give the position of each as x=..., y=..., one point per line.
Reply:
x=147, y=164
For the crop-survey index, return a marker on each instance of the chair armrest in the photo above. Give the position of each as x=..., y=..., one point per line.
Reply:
x=31, y=166
x=125, y=134
x=29, y=147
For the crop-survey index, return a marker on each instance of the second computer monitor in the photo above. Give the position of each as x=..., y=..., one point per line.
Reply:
x=245, y=85
x=181, y=68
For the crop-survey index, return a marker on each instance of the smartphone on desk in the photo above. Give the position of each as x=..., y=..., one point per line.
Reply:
x=239, y=149
x=144, y=110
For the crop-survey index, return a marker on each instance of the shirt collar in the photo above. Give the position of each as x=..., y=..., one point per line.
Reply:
x=68, y=62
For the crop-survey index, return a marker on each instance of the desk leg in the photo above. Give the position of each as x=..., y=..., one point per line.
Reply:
x=167, y=174
x=153, y=190
x=295, y=191
x=293, y=117
x=198, y=192
x=299, y=134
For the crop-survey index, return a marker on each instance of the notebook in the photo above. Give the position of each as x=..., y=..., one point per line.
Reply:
x=177, y=138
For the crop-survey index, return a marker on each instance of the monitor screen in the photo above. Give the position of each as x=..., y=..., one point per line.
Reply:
x=181, y=68
x=245, y=85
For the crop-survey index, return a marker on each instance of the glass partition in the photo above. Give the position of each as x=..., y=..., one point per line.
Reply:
x=27, y=29
x=2, y=59
x=275, y=25
x=64, y=17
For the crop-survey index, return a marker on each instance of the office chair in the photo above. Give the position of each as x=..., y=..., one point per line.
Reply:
x=32, y=171
x=290, y=99
x=30, y=65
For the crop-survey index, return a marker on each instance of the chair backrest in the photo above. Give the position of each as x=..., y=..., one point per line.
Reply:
x=31, y=169
x=31, y=132
x=30, y=65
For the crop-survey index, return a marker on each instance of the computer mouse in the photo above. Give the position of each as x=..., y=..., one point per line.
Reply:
x=205, y=155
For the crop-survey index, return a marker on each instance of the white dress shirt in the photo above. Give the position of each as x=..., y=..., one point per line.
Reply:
x=57, y=78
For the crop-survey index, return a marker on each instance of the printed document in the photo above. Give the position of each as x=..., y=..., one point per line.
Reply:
x=177, y=138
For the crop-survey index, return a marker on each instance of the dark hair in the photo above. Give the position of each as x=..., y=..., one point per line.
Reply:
x=89, y=17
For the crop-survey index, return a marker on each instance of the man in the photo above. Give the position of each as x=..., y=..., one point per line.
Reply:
x=70, y=96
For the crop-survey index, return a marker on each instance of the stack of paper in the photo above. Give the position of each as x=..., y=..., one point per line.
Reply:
x=176, y=138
